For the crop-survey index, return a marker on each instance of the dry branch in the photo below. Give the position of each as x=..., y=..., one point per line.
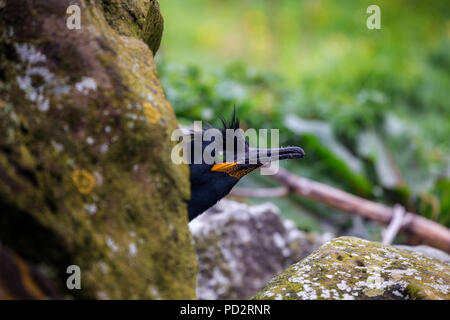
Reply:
x=260, y=192
x=428, y=231
x=398, y=219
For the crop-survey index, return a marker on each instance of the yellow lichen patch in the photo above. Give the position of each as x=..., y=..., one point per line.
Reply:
x=26, y=159
x=83, y=180
x=153, y=115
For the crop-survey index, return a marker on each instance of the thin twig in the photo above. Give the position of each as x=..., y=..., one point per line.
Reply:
x=260, y=192
x=394, y=226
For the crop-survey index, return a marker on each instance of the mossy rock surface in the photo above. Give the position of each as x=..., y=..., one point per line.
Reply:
x=352, y=268
x=85, y=150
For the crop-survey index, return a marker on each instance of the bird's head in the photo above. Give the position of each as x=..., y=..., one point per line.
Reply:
x=220, y=158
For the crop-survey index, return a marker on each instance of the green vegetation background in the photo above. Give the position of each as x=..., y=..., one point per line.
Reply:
x=370, y=107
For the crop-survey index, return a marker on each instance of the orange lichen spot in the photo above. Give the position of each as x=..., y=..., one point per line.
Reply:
x=153, y=115
x=83, y=180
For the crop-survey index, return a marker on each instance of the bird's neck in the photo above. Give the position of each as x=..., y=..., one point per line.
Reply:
x=204, y=196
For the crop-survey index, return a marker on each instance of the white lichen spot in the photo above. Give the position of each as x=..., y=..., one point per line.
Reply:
x=103, y=267
x=102, y=295
x=132, y=248
x=347, y=296
x=29, y=54
x=325, y=294
x=154, y=292
x=37, y=91
x=306, y=268
x=278, y=240
x=308, y=293
x=374, y=256
x=86, y=84
x=397, y=293
x=296, y=279
x=104, y=148
x=410, y=272
x=111, y=244
x=91, y=208
x=343, y=286
x=374, y=286
x=132, y=116
x=268, y=294
x=44, y=106
x=151, y=99
x=58, y=146
x=443, y=288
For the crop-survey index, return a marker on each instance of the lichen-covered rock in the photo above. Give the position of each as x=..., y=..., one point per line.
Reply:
x=352, y=268
x=240, y=247
x=85, y=169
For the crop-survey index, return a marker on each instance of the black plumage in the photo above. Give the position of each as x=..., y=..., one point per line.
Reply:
x=212, y=182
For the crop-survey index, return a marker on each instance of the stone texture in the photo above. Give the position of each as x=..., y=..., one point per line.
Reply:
x=137, y=18
x=85, y=152
x=241, y=247
x=352, y=268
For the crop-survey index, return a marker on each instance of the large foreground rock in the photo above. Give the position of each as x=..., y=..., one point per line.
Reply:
x=240, y=248
x=352, y=268
x=85, y=169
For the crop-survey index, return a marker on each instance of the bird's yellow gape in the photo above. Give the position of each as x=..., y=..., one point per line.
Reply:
x=232, y=169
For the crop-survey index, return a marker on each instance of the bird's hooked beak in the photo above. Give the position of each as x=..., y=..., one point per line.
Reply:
x=255, y=158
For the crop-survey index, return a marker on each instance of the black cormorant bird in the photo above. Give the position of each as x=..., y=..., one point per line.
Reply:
x=212, y=182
